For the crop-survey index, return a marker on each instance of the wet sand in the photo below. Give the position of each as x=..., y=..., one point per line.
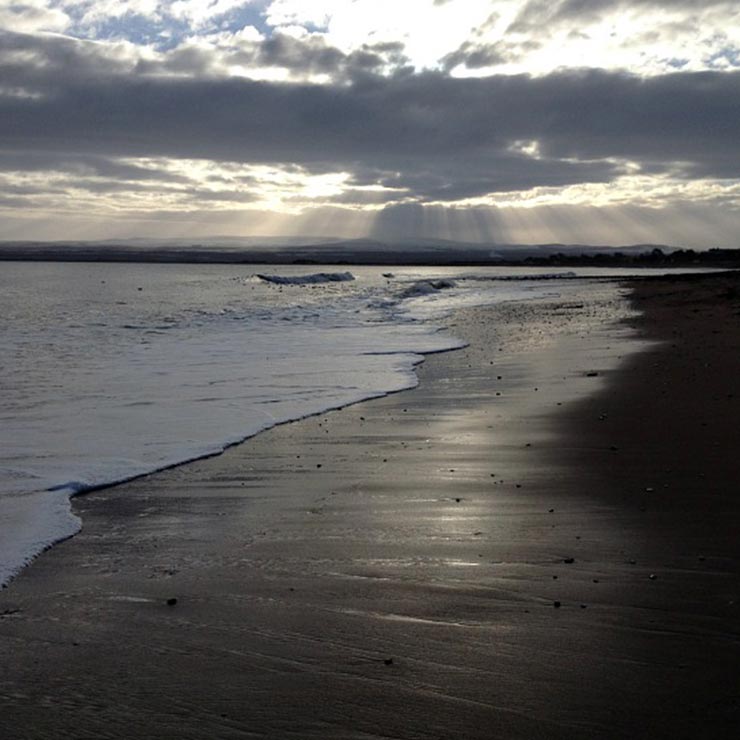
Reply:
x=558, y=561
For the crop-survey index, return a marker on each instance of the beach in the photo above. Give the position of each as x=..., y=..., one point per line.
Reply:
x=537, y=542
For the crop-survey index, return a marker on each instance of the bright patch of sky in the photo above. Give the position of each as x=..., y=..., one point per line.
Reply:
x=162, y=24
x=468, y=37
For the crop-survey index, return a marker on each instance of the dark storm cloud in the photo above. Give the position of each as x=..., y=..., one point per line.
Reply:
x=301, y=57
x=83, y=165
x=471, y=176
x=43, y=61
x=435, y=136
x=535, y=11
x=40, y=60
x=477, y=55
x=9, y=189
x=312, y=55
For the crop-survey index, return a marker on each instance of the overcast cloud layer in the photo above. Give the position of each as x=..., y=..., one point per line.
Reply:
x=450, y=118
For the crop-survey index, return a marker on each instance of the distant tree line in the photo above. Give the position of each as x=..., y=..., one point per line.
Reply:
x=653, y=258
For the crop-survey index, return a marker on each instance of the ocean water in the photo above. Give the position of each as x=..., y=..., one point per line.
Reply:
x=111, y=371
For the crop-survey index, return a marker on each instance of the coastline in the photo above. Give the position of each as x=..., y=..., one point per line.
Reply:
x=392, y=569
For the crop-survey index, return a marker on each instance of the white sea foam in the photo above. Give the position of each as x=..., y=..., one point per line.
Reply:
x=313, y=279
x=426, y=287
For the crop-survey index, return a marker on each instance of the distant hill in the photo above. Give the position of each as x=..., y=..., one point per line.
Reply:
x=328, y=250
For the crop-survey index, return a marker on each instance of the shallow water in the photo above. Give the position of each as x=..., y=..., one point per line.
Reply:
x=110, y=371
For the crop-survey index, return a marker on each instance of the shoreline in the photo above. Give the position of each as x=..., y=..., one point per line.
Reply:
x=74, y=493
x=428, y=529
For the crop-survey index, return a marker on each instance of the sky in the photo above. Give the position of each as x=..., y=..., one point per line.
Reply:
x=505, y=121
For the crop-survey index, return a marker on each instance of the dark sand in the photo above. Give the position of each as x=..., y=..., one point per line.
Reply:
x=391, y=570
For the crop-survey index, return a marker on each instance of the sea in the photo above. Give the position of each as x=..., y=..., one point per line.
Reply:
x=112, y=371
